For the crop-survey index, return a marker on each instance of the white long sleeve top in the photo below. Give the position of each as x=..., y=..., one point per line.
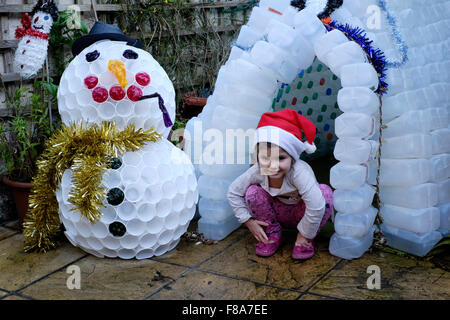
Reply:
x=299, y=183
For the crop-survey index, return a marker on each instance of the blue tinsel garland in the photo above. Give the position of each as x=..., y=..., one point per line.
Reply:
x=375, y=55
x=398, y=38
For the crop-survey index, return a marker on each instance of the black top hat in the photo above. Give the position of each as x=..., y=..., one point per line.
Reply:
x=102, y=31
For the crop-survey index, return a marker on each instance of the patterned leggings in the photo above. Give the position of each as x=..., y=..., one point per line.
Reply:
x=264, y=207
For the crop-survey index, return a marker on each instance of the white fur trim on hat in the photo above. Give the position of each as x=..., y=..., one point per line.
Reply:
x=286, y=140
x=310, y=148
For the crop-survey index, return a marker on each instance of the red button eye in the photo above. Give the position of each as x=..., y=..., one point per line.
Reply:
x=100, y=94
x=134, y=93
x=90, y=82
x=36, y=19
x=117, y=93
x=143, y=78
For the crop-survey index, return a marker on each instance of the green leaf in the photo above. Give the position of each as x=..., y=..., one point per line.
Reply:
x=441, y=247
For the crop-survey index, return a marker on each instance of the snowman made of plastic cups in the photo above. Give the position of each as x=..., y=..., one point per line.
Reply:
x=152, y=192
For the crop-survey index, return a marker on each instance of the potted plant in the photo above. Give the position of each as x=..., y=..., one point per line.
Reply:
x=23, y=133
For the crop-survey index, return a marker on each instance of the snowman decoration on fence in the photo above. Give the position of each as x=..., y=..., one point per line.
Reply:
x=152, y=192
x=32, y=48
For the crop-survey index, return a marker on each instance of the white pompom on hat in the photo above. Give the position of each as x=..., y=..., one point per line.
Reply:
x=284, y=128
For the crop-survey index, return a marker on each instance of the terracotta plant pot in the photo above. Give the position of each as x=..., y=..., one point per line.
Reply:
x=194, y=104
x=20, y=192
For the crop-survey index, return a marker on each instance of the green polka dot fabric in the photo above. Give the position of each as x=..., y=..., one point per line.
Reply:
x=314, y=95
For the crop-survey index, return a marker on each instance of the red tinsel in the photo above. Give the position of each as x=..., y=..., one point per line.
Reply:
x=27, y=30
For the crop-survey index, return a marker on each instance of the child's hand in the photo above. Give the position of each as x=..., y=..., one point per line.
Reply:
x=302, y=241
x=255, y=228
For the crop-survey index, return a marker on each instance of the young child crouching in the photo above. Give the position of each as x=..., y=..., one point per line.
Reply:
x=280, y=190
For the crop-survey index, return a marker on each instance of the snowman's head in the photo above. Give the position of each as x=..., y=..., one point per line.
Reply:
x=322, y=8
x=44, y=14
x=107, y=81
x=42, y=22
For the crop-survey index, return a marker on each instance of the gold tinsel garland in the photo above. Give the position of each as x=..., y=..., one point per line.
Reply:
x=88, y=150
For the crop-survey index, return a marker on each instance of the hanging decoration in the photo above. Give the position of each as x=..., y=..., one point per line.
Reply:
x=33, y=35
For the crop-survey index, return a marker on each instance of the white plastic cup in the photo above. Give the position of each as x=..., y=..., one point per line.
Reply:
x=134, y=192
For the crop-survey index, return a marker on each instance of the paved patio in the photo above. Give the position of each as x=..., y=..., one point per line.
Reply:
x=228, y=269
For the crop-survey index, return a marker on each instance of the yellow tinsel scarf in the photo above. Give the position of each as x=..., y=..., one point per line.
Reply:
x=88, y=150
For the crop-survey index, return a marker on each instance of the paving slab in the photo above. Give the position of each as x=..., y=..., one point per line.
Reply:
x=240, y=261
x=317, y=297
x=191, y=253
x=401, y=278
x=2, y=294
x=6, y=232
x=107, y=279
x=198, y=285
x=20, y=268
x=14, y=297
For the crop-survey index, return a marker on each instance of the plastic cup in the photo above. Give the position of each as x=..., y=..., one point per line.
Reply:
x=99, y=230
x=136, y=227
x=126, y=253
x=165, y=237
x=111, y=243
x=155, y=225
x=153, y=193
x=130, y=174
x=146, y=212
x=144, y=254
x=124, y=108
x=163, y=208
x=172, y=220
x=84, y=97
x=94, y=244
x=106, y=110
x=126, y=211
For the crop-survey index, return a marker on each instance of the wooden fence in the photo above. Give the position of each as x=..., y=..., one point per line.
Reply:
x=225, y=17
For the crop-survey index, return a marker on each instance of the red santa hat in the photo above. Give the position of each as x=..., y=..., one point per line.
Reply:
x=284, y=128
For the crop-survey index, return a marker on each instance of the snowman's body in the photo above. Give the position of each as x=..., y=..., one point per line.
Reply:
x=32, y=48
x=156, y=184
x=159, y=201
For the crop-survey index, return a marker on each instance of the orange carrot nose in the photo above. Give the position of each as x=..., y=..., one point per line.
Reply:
x=117, y=67
x=326, y=20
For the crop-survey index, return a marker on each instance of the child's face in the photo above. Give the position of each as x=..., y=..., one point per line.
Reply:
x=273, y=161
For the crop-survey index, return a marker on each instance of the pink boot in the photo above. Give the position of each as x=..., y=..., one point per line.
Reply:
x=302, y=252
x=268, y=249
